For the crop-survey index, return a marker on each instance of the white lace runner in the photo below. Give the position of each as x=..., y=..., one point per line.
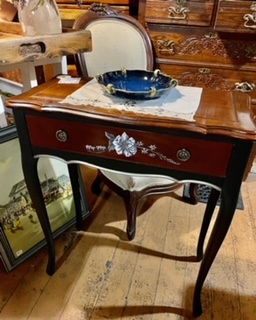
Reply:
x=179, y=102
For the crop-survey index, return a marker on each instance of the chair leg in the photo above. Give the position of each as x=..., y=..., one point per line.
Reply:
x=193, y=193
x=131, y=200
x=96, y=186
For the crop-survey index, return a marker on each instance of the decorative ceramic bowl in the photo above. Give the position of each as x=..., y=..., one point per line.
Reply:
x=136, y=84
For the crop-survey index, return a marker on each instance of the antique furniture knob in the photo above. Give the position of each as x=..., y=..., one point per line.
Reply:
x=61, y=135
x=183, y=155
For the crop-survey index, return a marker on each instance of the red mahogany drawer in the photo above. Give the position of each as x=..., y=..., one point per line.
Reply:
x=135, y=146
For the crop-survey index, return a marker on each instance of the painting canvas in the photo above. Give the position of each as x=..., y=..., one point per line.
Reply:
x=20, y=231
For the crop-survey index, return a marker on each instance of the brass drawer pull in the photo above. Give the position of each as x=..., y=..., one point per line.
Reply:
x=61, y=135
x=244, y=86
x=183, y=155
x=251, y=52
x=179, y=12
x=180, y=1
x=211, y=35
x=166, y=46
x=204, y=70
x=253, y=6
x=250, y=18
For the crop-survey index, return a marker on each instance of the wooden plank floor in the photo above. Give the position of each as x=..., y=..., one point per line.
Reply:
x=104, y=276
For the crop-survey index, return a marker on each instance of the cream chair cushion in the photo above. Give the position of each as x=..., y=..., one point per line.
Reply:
x=136, y=183
x=122, y=46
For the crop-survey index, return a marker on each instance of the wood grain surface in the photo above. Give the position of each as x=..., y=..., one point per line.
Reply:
x=104, y=276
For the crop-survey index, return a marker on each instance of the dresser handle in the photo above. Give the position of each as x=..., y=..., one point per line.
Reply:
x=250, y=20
x=204, y=70
x=183, y=155
x=180, y=1
x=244, y=86
x=253, y=6
x=61, y=135
x=211, y=35
x=179, y=12
x=251, y=53
x=166, y=46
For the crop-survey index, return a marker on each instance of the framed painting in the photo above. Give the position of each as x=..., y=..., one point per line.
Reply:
x=20, y=231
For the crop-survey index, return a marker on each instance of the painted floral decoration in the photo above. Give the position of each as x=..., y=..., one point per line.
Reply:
x=128, y=146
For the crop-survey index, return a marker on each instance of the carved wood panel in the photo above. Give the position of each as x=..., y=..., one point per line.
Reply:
x=211, y=77
x=204, y=46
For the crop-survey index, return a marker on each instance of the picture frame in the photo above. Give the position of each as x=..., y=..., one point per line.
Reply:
x=3, y=118
x=20, y=231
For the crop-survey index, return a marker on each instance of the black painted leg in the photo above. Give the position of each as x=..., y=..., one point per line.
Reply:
x=229, y=196
x=34, y=188
x=29, y=165
x=211, y=204
x=221, y=226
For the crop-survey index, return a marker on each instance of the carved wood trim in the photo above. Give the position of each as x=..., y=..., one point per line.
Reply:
x=234, y=49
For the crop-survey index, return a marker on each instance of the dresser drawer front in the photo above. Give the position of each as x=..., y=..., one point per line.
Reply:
x=208, y=46
x=161, y=150
x=210, y=77
x=237, y=16
x=193, y=13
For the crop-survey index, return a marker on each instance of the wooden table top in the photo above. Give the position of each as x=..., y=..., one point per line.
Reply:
x=230, y=114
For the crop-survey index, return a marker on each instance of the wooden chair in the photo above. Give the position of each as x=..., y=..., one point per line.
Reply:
x=119, y=41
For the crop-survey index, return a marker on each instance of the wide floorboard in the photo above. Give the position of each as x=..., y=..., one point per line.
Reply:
x=104, y=276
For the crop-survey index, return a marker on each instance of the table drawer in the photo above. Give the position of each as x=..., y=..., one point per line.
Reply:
x=192, y=13
x=134, y=146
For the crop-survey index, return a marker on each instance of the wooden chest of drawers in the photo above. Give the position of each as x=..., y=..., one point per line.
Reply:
x=204, y=43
